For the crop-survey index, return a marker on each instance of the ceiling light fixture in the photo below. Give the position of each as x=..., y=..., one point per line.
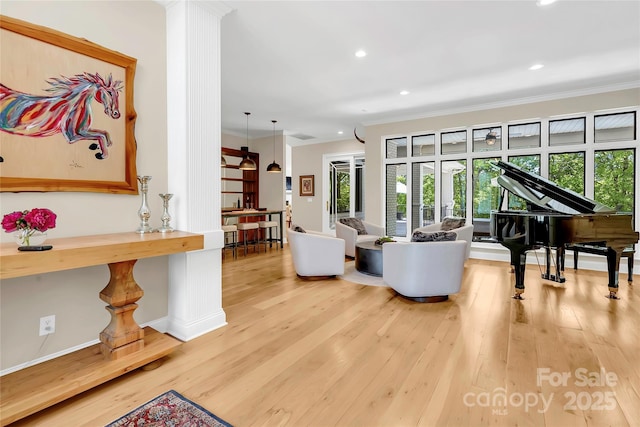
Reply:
x=404, y=92
x=491, y=137
x=274, y=167
x=361, y=54
x=247, y=164
x=536, y=67
x=545, y=2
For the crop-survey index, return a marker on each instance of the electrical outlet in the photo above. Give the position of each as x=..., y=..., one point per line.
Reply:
x=47, y=325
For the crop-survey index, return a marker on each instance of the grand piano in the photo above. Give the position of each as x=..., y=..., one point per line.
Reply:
x=554, y=218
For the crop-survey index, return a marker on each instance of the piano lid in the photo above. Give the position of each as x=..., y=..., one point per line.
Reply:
x=546, y=194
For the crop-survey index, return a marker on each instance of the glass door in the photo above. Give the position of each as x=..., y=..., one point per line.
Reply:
x=345, y=184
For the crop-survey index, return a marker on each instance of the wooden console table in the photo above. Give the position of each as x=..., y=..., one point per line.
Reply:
x=124, y=345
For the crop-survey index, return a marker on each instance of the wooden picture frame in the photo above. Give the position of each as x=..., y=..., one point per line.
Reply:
x=307, y=185
x=67, y=118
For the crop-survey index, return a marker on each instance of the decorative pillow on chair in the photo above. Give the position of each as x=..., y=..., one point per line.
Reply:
x=297, y=228
x=354, y=223
x=437, y=236
x=451, y=223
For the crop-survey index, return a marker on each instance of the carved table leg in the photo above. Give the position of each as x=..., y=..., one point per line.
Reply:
x=123, y=335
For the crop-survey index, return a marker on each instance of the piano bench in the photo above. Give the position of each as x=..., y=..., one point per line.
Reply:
x=628, y=252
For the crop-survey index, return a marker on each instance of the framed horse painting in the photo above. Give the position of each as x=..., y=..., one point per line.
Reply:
x=66, y=113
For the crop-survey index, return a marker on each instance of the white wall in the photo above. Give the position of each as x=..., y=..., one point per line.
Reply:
x=137, y=29
x=307, y=160
x=271, y=184
x=376, y=134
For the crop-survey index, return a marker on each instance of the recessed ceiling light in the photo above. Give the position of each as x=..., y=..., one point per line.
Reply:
x=545, y=2
x=361, y=54
x=536, y=67
x=404, y=92
x=340, y=132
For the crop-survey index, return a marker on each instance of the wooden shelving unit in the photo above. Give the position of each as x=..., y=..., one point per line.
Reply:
x=249, y=191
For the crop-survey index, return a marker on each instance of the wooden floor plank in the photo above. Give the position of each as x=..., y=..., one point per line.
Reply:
x=333, y=353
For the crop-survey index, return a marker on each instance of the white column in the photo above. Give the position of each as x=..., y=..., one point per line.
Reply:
x=193, y=99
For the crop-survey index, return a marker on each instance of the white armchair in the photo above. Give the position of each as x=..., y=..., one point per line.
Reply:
x=316, y=254
x=463, y=233
x=351, y=236
x=424, y=271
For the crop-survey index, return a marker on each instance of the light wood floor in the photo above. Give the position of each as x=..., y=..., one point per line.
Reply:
x=334, y=353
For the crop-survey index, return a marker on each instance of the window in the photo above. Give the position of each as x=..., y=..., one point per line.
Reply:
x=614, y=172
x=567, y=170
x=604, y=169
x=486, y=195
x=396, y=148
x=423, y=194
x=396, y=209
x=614, y=127
x=454, y=142
x=524, y=136
x=487, y=139
x=566, y=132
x=453, y=189
x=529, y=164
x=423, y=145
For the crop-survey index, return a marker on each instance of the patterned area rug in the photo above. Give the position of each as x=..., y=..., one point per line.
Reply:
x=170, y=409
x=353, y=275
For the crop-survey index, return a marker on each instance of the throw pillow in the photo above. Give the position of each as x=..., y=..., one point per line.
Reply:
x=297, y=228
x=437, y=236
x=354, y=223
x=451, y=223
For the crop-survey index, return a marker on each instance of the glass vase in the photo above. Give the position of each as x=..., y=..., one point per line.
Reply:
x=29, y=237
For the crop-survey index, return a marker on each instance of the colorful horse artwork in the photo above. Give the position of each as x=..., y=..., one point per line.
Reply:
x=67, y=110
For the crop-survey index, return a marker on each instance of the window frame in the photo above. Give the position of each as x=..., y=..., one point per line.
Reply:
x=544, y=151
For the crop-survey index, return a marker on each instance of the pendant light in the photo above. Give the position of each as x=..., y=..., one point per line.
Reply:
x=274, y=167
x=247, y=164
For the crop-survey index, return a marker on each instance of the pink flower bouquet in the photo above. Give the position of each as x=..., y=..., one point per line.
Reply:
x=28, y=222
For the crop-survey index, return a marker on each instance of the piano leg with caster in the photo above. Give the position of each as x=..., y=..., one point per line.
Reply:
x=613, y=262
x=519, y=261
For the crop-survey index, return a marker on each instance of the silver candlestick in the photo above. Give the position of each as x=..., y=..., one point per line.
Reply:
x=144, y=213
x=165, y=218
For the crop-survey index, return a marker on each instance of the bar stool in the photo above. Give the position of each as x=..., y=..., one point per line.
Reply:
x=264, y=226
x=233, y=230
x=244, y=227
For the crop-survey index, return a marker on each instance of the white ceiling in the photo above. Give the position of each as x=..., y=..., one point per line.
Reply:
x=293, y=61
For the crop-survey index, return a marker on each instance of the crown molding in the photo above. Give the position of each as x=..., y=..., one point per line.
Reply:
x=218, y=8
x=510, y=103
